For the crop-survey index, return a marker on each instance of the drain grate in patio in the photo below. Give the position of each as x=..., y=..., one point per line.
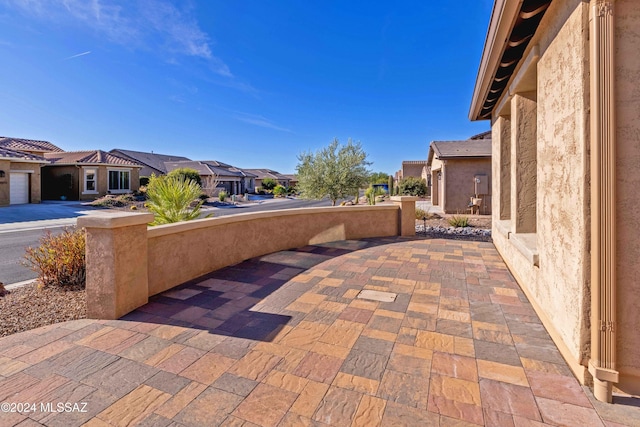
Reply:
x=377, y=295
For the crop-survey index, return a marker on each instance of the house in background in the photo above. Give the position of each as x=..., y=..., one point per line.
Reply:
x=247, y=182
x=414, y=168
x=152, y=163
x=559, y=81
x=460, y=171
x=293, y=179
x=224, y=178
x=261, y=174
x=88, y=175
x=20, y=163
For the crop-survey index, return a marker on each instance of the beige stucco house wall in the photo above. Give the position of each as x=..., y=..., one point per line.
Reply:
x=12, y=166
x=76, y=189
x=460, y=171
x=565, y=219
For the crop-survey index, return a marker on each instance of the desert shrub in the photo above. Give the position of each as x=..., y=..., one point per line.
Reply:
x=111, y=201
x=370, y=194
x=144, y=181
x=260, y=190
x=279, y=191
x=59, y=260
x=187, y=174
x=269, y=184
x=458, y=221
x=421, y=214
x=412, y=186
x=171, y=199
x=222, y=195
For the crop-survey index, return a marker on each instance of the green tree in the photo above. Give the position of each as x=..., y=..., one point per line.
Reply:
x=279, y=191
x=378, y=178
x=187, y=174
x=269, y=184
x=336, y=171
x=412, y=186
x=170, y=199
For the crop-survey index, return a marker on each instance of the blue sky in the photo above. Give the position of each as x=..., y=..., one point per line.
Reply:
x=250, y=83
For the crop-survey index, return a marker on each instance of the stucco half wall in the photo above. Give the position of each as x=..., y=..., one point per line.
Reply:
x=127, y=261
x=181, y=252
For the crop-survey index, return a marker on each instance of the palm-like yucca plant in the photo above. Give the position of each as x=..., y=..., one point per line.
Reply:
x=170, y=199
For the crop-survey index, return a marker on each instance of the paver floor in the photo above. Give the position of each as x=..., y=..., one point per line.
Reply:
x=284, y=340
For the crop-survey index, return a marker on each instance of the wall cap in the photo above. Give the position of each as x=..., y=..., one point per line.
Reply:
x=404, y=198
x=114, y=220
x=196, y=224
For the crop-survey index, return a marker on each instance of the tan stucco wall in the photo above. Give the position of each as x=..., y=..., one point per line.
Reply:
x=184, y=251
x=34, y=180
x=4, y=183
x=559, y=288
x=412, y=170
x=627, y=15
x=437, y=196
x=460, y=187
x=52, y=173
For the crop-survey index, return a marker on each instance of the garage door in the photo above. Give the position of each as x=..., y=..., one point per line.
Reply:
x=19, y=188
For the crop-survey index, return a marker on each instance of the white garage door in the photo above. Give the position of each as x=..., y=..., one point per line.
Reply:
x=19, y=188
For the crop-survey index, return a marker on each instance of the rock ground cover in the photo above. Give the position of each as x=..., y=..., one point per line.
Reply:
x=30, y=307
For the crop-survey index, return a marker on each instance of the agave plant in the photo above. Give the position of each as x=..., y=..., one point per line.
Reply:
x=171, y=199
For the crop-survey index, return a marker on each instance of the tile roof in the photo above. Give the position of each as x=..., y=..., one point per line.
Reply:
x=266, y=173
x=22, y=144
x=476, y=148
x=414, y=162
x=483, y=135
x=6, y=153
x=204, y=168
x=89, y=157
x=152, y=160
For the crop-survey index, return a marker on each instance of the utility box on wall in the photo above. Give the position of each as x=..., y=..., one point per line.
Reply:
x=481, y=183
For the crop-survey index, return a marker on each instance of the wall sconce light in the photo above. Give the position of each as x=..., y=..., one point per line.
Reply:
x=2, y=174
x=439, y=176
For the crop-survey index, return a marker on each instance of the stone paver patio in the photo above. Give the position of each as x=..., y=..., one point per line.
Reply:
x=284, y=340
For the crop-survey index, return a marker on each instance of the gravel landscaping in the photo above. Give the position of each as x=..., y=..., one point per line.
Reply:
x=29, y=307
x=479, y=229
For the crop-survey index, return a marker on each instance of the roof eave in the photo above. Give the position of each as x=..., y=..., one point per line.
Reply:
x=502, y=17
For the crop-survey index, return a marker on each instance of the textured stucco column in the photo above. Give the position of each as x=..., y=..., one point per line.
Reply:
x=501, y=153
x=116, y=256
x=523, y=162
x=407, y=214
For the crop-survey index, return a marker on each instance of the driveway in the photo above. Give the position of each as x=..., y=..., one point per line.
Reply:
x=42, y=215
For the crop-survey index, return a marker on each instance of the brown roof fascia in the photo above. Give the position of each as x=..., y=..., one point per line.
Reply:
x=512, y=24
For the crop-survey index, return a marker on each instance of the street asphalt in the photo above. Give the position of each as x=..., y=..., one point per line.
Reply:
x=23, y=225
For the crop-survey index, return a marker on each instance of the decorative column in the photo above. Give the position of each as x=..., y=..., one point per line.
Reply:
x=116, y=257
x=407, y=214
x=603, y=199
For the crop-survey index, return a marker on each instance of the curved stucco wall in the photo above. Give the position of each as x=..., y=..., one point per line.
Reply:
x=181, y=252
x=627, y=15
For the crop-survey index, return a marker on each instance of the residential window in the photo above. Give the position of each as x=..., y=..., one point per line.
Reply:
x=119, y=181
x=90, y=178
